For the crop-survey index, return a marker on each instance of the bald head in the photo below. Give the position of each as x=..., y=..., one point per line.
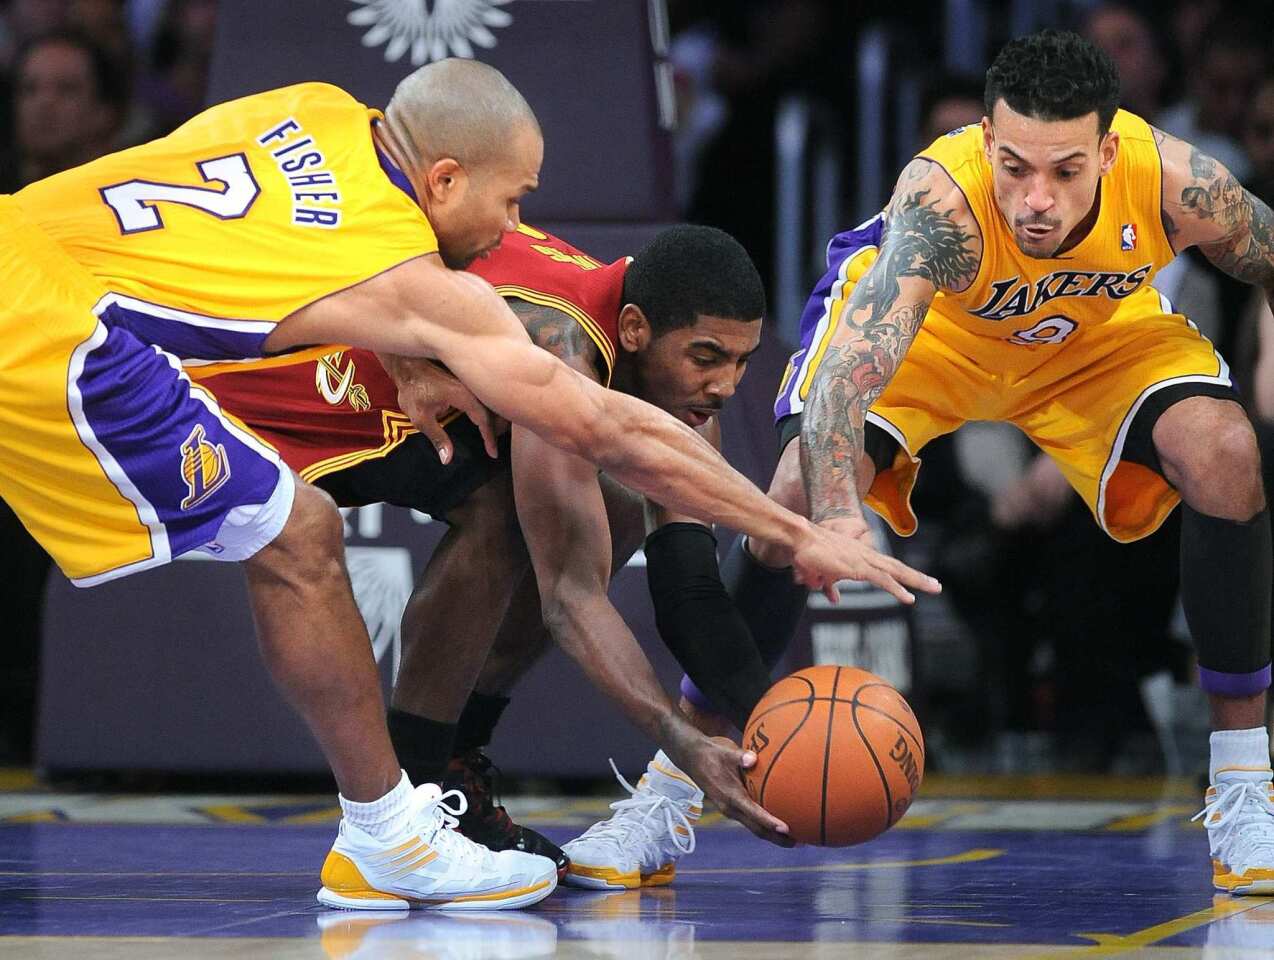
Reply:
x=460, y=109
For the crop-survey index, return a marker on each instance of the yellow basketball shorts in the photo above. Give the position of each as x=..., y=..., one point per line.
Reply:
x=1077, y=404
x=108, y=454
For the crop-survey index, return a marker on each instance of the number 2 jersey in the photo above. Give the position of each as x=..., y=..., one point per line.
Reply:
x=208, y=237
x=341, y=409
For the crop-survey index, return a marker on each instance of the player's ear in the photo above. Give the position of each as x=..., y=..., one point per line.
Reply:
x=445, y=179
x=634, y=329
x=988, y=136
x=1108, y=150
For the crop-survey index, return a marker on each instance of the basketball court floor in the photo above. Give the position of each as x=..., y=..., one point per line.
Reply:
x=993, y=868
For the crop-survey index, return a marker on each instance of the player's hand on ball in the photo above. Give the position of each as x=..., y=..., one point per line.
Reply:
x=428, y=392
x=842, y=548
x=716, y=764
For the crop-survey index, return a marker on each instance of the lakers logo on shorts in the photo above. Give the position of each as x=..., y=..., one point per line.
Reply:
x=204, y=467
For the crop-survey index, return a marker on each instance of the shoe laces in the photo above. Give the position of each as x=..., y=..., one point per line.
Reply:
x=437, y=819
x=1245, y=818
x=641, y=814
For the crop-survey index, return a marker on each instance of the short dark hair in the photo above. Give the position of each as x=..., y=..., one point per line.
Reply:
x=690, y=271
x=109, y=77
x=1054, y=75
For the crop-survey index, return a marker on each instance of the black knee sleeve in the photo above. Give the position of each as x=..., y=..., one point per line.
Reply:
x=1226, y=571
x=770, y=601
x=699, y=623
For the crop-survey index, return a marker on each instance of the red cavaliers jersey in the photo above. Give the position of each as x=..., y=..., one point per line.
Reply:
x=332, y=413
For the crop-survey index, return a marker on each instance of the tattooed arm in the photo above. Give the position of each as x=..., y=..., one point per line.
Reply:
x=1205, y=206
x=930, y=242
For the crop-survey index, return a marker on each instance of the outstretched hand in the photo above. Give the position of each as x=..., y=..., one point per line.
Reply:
x=842, y=548
x=715, y=765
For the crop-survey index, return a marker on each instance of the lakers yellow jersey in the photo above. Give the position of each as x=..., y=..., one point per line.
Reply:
x=1039, y=305
x=208, y=237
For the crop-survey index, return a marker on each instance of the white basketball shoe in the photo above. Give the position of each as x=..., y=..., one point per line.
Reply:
x=1239, y=814
x=640, y=844
x=430, y=865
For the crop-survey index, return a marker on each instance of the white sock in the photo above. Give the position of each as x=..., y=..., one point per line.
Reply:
x=1240, y=752
x=384, y=818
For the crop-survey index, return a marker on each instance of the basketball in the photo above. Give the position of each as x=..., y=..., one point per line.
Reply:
x=839, y=755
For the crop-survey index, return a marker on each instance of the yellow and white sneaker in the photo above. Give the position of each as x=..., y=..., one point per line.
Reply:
x=430, y=865
x=1239, y=814
x=641, y=842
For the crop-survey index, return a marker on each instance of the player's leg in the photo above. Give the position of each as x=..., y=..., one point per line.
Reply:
x=454, y=613
x=450, y=623
x=521, y=639
x=1208, y=450
x=1154, y=420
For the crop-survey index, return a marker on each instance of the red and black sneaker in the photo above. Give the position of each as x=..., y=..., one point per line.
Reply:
x=487, y=822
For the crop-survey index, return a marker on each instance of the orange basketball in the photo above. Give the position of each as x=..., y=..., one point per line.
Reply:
x=839, y=755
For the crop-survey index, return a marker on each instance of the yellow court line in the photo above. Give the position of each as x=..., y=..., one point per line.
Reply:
x=1143, y=821
x=1058, y=787
x=325, y=815
x=16, y=778
x=164, y=899
x=1114, y=944
x=231, y=813
x=932, y=920
x=152, y=873
x=976, y=855
x=919, y=821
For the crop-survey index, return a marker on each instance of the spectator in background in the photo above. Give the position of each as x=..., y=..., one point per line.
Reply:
x=104, y=22
x=1220, y=85
x=1191, y=283
x=173, y=89
x=68, y=101
x=23, y=20
x=1142, y=58
x=949, y=102
x=758, y=51
x=1258, y=139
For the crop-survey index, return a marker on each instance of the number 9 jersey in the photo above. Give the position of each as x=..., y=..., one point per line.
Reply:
x=208, y=237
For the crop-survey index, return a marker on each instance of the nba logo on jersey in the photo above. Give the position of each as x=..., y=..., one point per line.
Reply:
x=1128, y=237
x=204, y=467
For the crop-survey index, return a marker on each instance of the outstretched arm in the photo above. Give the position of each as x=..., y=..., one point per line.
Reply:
x=930, y=242
x=421, y=309
x=1205, y=206
x=563, y=519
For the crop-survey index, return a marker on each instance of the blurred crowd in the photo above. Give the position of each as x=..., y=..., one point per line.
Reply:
x=1068, y=649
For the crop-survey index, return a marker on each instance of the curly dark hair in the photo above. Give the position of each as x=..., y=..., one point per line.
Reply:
x=690, y=271
x=1054, y=75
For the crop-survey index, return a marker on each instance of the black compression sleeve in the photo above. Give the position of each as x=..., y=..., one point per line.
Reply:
x=698, y=621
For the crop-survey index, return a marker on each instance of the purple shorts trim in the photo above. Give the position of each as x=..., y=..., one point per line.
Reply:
x=695, y=695
x=842, y=247
x=1234, y=684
